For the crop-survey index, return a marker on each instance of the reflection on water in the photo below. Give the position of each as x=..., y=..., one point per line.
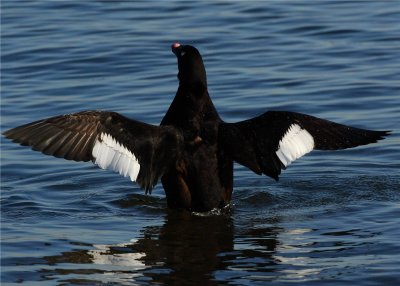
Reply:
x=265, y=237
x=189, y=246
x=203, y=250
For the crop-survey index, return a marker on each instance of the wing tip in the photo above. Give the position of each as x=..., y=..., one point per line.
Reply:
x=9, y=133
x=379, y=135
x=385, y=133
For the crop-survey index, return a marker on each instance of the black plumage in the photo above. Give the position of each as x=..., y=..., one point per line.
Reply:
x=259, y=153
x=193, y=149
x=73, y=136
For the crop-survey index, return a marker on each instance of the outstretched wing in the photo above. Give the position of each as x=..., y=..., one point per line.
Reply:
x=135, y=149
x=270, y=142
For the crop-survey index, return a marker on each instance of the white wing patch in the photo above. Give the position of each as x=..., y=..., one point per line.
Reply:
x=110, y=154
x=294, y=144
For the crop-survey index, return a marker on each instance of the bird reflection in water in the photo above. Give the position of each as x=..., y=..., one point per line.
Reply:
x=194, y=249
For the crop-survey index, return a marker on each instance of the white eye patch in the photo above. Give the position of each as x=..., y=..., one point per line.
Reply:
x=183, y=53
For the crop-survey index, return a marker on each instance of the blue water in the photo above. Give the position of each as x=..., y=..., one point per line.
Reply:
x=332, y=219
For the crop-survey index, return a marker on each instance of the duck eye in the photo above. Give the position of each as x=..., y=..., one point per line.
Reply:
x=183, y=53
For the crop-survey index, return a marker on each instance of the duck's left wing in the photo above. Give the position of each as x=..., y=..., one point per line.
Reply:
x=135, y=149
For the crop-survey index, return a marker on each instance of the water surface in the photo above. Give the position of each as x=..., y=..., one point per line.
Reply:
x=333, y=218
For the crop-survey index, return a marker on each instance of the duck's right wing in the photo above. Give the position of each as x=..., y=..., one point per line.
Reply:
x=270, y=142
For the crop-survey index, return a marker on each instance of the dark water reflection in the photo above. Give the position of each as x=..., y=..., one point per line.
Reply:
x=186, y=250
x=284, y=235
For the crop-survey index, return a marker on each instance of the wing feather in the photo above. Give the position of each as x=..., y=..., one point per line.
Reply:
x=132, y=148
x=270, y=142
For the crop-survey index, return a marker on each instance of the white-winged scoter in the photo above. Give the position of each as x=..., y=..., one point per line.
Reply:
x=193, y=149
